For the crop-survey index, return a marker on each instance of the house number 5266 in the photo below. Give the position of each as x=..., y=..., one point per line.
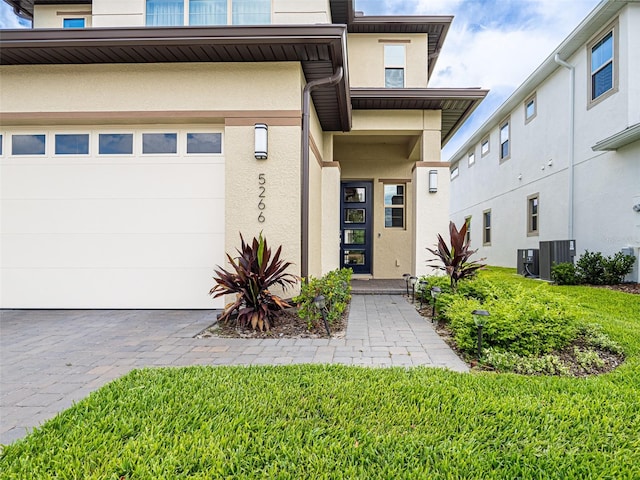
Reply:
x=261, y=196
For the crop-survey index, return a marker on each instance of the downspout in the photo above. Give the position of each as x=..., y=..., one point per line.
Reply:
x=304, y=215
x=572, y=72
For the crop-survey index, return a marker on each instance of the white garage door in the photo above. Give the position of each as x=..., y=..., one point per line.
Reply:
x=111, y=217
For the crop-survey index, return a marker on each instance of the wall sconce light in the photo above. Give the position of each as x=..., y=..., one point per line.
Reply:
x=261, y=130
x=433, y=181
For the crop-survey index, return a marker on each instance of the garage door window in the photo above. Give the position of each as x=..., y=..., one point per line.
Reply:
x=204, y=143
x=115, y=144
x=155, y=143
x=69, y=144
x=28, y=144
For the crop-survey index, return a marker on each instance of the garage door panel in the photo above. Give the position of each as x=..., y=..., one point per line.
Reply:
x=115, y=288
x=50, y=181
x=113, y=216
x=112, y=251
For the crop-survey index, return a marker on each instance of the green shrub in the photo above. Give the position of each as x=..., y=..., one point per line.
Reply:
x=505, y=362
x=617, y=267
x=530, y=321
x=564, y=274
x=593, y=336
x=595, y=269
x=335, y=286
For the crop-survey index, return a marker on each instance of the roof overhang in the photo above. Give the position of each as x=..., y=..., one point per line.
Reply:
x=320, y=49
x=618, y=140
x=456, y=104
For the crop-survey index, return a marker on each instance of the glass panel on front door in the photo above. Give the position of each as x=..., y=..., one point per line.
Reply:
x=355, y=224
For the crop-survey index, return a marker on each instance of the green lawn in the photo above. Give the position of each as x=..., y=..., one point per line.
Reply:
x=347, y=422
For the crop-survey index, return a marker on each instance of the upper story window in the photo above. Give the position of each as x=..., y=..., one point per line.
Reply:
x=530, y=108
x=484, y=146
x=72, y=144
x=28, y=144
x=505, y=147
x=208, y=12
x=472, y=158
x=455, y=171
x=602, y=59
x=73, y=23
x=394, y=65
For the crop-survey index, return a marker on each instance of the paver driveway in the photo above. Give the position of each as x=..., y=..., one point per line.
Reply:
x=51, y=358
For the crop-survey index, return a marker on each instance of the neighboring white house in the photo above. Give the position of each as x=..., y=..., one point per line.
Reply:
x=560, y=159
x=138, y=138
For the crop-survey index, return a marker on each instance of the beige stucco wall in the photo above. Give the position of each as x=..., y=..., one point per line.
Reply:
x=51, y=16
x=151, y=87
x=281, y=172
x=366, y=59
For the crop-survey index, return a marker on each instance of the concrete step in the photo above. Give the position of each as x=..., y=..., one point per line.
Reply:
x=378, y=286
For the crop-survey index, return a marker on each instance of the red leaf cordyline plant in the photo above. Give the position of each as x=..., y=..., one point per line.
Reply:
x=455, y=260
x=254, y=272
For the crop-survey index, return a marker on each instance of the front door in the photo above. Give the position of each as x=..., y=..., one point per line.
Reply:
x=355, y=226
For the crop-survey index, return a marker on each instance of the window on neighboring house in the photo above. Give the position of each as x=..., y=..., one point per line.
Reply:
x=472, y=158
x=28, y=144
x=601, y=56
x=204, y=143
x=208, y=12
x=532, y=214
x=505, y=149
x=486, y=227
x=467, y=221
x=484, y=146
x=157, y=143
x=455, y=171
x=394, y=206
x=115, y=144
x=530, y=108
x=394, y=64
x=73, y=23
x=1, y=149
x=72, y=144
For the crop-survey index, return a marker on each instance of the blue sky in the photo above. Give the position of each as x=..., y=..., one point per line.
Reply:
x=494, y=44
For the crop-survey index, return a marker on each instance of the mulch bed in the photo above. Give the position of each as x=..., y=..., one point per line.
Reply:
x=287, y=324
x=633, y=288
x=611, y=360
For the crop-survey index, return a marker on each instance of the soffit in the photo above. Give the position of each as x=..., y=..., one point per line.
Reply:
x=320, y=49
x=456, y=104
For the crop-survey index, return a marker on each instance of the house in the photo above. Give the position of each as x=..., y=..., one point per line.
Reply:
x=139, y=138
x=560, y=159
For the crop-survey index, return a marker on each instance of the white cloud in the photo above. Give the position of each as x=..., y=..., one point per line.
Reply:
x=8, y=19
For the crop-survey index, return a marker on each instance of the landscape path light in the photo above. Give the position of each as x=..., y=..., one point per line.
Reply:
x=412, y=282
x=479, y=318
x=406, y=277
x=320, y=304
x=422, y=286
x=435, y=293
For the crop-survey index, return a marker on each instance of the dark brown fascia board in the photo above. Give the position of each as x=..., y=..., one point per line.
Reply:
x=222, y=35
x=420, y=93
x=438, y=48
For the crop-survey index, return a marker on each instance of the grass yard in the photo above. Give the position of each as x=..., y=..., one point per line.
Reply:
x=347, y=422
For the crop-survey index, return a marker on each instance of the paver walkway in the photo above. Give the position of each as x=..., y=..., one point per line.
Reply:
x=52, y=358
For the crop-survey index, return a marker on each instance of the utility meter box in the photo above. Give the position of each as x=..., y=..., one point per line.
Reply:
x=528, y=262
x=556, y=251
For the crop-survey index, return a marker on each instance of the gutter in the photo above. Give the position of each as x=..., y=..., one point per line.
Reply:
x=572, y=134
x=304, y=216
